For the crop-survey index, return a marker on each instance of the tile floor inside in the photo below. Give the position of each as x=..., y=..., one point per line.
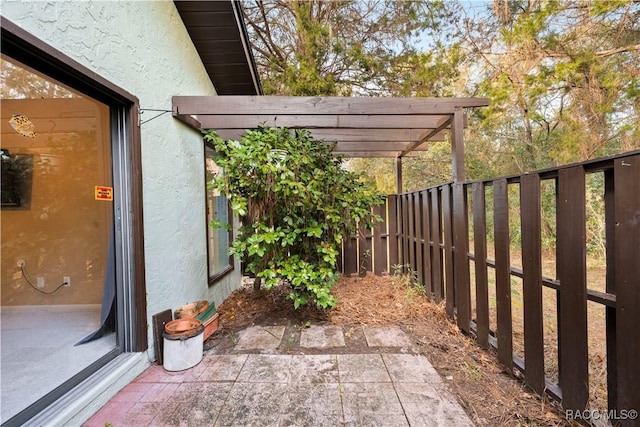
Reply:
x=38, y=352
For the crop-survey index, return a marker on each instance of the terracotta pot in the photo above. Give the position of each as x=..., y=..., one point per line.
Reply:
x=181, y=327
x=210, y=326
x=191, y=310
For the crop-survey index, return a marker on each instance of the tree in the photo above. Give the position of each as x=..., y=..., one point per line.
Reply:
x=20, y=83
x=317, y=48
x=562, y=78
x=355, y=48
x=298, y=203
x=563, y=82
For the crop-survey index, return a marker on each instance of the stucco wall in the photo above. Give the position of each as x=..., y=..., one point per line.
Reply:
x=143, y=47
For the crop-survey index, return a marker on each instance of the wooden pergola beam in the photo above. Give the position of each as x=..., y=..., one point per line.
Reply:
x=300, y=105
x=427, y=135
x=360, y=127
x=369, y=154
x=398, y=174
x=190, y=121
x=353, y=135
x=457, y=145
x=376, y=146
x=354, y=146
x=335, y=121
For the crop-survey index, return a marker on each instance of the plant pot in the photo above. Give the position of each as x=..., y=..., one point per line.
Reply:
x=182, y=327
x=191, y=310
x=210, y=326
x=209, y=319
x=183, y=344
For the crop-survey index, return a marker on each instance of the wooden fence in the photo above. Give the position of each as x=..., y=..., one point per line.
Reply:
x=429, y=232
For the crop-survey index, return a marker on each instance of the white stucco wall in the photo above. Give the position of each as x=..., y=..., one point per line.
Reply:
x=143, y=47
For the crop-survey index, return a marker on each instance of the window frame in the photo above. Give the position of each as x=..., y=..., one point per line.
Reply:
x=215, y=277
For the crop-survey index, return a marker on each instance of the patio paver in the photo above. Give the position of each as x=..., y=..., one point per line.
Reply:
x=372, y=404
x=240, y=389
x=425, y=405
x=387, y=336
x=324, y=336
x=260, y=338
x=362, y=368
x=410, y=368
x=320, y=368
x=266, y=368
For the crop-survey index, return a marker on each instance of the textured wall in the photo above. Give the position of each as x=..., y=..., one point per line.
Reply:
x=143, y=47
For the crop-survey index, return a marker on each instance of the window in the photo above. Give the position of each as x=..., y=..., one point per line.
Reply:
x=218, y=239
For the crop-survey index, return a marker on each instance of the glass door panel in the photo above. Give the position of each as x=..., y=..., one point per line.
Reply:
x=56, y=227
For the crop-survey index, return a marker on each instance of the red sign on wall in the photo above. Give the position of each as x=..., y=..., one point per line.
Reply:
x=104, y=193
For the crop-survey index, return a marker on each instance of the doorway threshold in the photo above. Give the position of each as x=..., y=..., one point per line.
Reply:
x=80, y=403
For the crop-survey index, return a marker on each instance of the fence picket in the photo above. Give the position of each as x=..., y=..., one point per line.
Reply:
x=365, y=244
x=426, y=237
x=610, y=312
x=392, y=213
x=461, y=261
x=417, y=211
x=447, y=220
x=532, y=282
x=411, y=235
x=379, y=260
x=572, y=274
x=627, y=274
x=503, y=272
x=406, y=257
x=480, y=252
x=350, y=256
x=436, y=264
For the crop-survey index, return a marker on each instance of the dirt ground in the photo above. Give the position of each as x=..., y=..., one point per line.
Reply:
x=491, y=396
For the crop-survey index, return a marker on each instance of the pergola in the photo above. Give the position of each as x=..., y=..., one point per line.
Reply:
x=360, y=127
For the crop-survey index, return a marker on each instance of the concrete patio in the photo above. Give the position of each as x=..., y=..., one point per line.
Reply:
x=256, y=385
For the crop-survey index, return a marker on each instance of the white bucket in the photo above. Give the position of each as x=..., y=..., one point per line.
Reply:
x=183, y=351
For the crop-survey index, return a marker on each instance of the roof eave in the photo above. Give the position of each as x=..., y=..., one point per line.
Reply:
x=220, y=37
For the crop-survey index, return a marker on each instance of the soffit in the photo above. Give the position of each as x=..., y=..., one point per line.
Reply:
x=219, y=36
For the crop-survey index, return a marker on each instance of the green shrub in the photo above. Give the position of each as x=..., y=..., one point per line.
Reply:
x=297, y=203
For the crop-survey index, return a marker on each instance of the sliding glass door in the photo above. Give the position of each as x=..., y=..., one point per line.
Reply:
x=57, y=234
